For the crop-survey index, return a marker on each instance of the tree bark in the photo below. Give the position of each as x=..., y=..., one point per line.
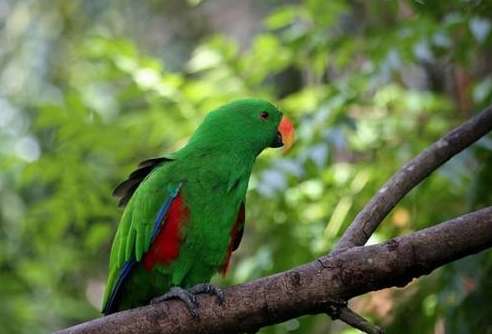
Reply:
x=310, y=288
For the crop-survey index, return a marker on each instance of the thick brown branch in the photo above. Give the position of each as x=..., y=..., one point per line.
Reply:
x=410, y=175
x=310, y=288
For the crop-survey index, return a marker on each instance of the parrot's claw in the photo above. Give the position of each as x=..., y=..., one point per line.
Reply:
x=209, y=289
x=185, y=296
x=189, y=296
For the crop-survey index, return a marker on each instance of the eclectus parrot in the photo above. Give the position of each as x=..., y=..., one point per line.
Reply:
x=185, y=211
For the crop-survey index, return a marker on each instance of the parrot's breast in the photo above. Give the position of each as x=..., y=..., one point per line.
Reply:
x=214, y=207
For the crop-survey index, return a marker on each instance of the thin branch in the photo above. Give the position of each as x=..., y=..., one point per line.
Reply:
x=339, y=310
x=355, y=320
x=310, y=288
x=410, y=175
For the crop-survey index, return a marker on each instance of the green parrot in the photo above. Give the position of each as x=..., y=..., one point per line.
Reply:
x=185, y=212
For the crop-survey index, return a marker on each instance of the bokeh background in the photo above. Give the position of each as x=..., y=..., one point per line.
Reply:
x=89, y=88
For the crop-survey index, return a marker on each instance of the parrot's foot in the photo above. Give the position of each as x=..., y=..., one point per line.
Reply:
x=189, y=296
x=209, y=289
x=185, y=296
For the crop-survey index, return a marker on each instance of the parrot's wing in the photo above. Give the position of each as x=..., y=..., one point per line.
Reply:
x=132, y=241
x=126, y=188
x=140, y=225
x=236, y=237
x=238, y=231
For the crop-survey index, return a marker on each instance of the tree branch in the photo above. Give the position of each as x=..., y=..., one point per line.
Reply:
x=407, y=178
x=410, y=175
x=310, y=288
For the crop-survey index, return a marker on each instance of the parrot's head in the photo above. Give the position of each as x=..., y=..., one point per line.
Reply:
x=246, y=124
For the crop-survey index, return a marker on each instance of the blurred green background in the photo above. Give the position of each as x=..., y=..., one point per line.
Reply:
x=89, y=88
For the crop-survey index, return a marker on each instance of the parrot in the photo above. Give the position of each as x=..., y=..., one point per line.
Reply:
x=184, y=212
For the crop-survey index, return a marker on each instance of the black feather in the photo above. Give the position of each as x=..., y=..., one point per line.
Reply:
x=125, y=189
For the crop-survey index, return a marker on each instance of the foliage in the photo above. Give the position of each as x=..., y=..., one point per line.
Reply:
x=86, y=93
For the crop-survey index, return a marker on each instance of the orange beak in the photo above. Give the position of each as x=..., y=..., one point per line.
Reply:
x=286, y=130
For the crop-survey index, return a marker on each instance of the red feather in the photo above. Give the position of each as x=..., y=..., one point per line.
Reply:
x=165, y=247
x=236, y=235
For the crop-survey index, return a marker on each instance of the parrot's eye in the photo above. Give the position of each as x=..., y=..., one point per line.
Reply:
x=264, y=115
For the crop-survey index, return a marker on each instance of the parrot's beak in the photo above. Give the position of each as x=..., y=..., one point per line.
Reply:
x=286, y=133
